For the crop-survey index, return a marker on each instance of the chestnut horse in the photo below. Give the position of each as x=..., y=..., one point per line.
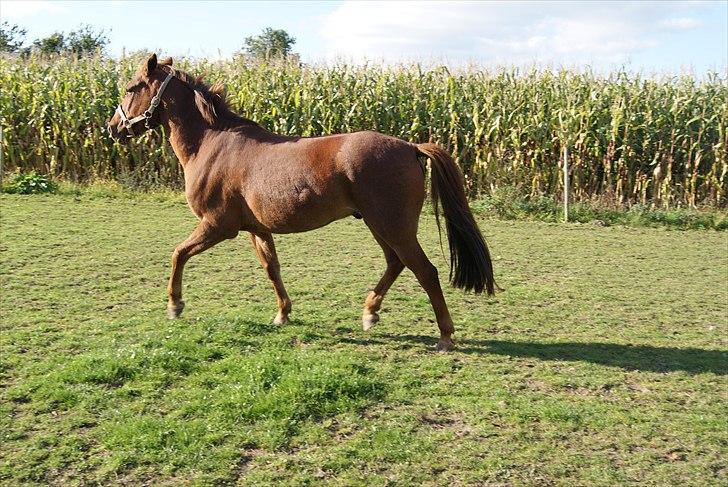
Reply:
x=240, y=177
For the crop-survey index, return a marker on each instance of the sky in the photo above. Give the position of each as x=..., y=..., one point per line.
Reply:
x=647, y=36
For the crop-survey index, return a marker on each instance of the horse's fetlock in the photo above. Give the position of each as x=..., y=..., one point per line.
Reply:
x=369, y=320
x=174, y=309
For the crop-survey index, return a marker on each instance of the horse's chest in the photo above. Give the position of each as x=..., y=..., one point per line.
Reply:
x=196, y=205
x=195, y=209
x=204, y=199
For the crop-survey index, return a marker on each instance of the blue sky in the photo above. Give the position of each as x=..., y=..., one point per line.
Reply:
x=650, y=36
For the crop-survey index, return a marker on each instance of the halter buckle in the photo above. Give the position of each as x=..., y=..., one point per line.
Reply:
x=147, y=118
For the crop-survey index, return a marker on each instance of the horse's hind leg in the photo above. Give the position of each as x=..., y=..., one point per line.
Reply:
x=266, y=250
x=390, y=201
x=414, y=258
x=402, y=238
x=201, y=239
x=374, y=300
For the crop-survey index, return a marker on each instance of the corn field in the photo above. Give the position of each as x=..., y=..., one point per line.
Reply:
x=631, y=139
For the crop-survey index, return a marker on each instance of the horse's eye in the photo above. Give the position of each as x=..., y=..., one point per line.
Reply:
x=133, y=88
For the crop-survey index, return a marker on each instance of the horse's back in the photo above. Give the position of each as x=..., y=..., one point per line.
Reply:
x=373, y=152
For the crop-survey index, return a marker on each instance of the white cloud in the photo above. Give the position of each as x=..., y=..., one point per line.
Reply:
x=501, y=32
x=20, y=9
x=680, y=23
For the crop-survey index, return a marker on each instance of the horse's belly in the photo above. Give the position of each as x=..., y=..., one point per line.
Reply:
x=299, y=210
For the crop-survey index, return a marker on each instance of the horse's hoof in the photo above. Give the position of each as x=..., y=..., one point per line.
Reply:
x=368, y=321
x=280, y=319
x=445, y=345
x=173, y=311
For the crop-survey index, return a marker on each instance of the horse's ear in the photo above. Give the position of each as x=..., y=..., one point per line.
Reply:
x=151, y=64
x=166, y=61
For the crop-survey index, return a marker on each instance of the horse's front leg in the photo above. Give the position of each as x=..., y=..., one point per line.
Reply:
x=201, y=239
x=266, y=250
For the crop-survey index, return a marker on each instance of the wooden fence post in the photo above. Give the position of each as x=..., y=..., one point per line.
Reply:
x=566, y=184
x=1, y=158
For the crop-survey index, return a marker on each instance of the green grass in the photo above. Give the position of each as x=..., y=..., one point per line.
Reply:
x=604, y=362
x=510, y=204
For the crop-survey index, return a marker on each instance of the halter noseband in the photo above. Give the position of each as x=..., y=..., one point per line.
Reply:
x=148, y=113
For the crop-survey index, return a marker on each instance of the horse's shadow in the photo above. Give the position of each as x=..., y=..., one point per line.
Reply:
x=628, y=357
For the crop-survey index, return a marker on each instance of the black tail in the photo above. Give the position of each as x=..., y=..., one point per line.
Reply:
x=470, y=264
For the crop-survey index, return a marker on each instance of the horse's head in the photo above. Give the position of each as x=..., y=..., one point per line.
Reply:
x=138, y=110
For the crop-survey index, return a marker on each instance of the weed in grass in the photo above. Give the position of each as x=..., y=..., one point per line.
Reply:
x=30, y=183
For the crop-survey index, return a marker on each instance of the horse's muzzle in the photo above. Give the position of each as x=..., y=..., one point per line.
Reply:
x=118, y=135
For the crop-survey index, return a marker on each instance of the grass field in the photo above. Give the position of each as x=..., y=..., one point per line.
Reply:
x=604, y=362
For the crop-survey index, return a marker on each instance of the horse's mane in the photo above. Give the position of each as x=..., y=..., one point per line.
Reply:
x=212, y=102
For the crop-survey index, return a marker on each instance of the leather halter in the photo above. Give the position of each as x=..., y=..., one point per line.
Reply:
x=148, y=113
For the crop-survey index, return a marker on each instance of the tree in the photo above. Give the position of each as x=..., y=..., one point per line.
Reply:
x=270, y=44
x=81, y=41
x=85, y=40
x=12, y=37
x=53, y=44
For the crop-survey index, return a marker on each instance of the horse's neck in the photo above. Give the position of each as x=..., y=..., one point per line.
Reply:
x=189, y=133
x=186, y=135
x=185, y=144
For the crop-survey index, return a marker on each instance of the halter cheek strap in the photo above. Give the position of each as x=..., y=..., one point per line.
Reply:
x=148, y=113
